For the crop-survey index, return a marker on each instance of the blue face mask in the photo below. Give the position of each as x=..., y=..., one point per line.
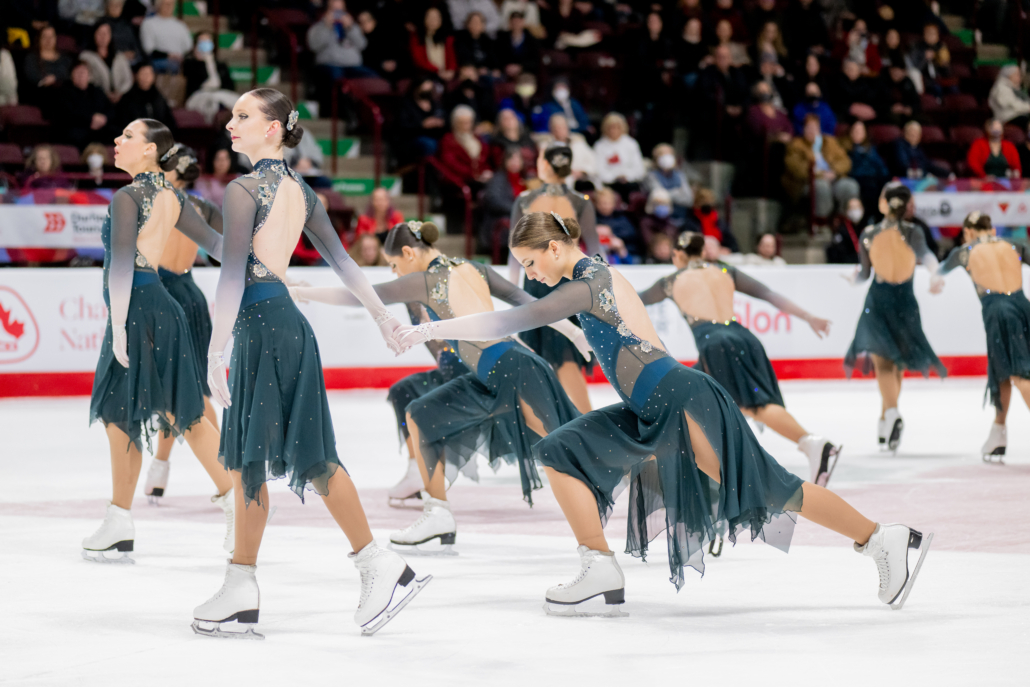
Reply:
x=206, y=46
x=662, y=211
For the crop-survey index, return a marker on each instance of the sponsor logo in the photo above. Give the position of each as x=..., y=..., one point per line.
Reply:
x=19, y=333
x=54, y=222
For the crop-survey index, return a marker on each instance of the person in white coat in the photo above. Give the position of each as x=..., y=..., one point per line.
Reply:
x=1007, y=100
x=620, y=164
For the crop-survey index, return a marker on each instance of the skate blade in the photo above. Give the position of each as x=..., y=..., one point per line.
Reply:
x=271, y=514
x=591, y=608
x=380, y=621
x=119, y=557
x=414, y=550
x=206, y=628
x=153, y=500
x=824, y=479
x=995, y=458
x=713, y=551
x=923, y=550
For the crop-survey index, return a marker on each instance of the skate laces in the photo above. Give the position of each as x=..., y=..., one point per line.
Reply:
x=584, y=568
x=367, y=578
x=426, y=514
x=884, y=569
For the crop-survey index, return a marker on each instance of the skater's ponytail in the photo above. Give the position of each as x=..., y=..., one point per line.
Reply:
x=420, y=235
x=691, y=242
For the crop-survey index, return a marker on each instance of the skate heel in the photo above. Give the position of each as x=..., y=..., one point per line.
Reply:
x=448, y=539
x=915, y=539
x=123, y=546
x=406, y=577
x=614, y=597
x=248, y=617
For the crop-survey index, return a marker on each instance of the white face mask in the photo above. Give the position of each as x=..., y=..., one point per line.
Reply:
x=855, y=214
x=95, y=160
x=667, y=161
x=561, y=94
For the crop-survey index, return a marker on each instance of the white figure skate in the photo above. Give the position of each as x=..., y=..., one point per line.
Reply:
x=115, y=536
x=822, y=458
x=888, y=547
x=233, y=611
x=599, y=577
x=436, y=522
x=891, y=428
x=157, y=481
x=408, y=492
x=227, y=503
x=387, y=586
x=995, y=445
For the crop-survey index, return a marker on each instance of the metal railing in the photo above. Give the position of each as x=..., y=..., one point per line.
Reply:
x=463, y=188
x=343, y=86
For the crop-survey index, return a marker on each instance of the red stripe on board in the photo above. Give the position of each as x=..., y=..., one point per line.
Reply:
x=81, y=383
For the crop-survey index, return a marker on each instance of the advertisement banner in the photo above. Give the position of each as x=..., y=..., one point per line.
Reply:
x=949, y=209
x=51, y=226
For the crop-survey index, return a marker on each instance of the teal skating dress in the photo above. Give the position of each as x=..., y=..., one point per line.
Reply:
x=727, y=351
x=478, y=414
x=1006, y=321
x=187, y=294
x=890, y=325
x=161, y=389
x=279, y=425
x=646, y=437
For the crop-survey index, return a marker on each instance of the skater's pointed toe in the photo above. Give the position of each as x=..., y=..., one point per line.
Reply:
x=388, y=584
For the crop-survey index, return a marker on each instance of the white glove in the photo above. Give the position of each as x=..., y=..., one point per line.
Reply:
x=580, y=341
x=389, y=327
x=216, y=379
x=411, y=335
x=120, y=344
x=936, y=284
x=295, y=294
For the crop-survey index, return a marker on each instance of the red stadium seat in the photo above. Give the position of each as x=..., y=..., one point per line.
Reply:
x=1015, y=134
x=929, y=103
x=67, y=44
x=960, y=101
x=10, y=154
x=18, y=115
x=189, y=119
x=933, y=134
x=964, y=135
x=884, y=133
x=68, y=155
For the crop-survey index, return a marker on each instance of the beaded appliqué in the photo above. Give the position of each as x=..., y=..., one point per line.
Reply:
x=141, y=261
x=426, y=330
x=265, y=195
x=259, y=270
x=607, y=300
x=444, y=262
x=382, y=317
x=439, y=292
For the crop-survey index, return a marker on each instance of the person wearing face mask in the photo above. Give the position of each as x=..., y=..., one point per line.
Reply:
x=847, y=228
x=658, y=218
x=421, y=120
x=667, y=176
x=813, y=104
x=475, y=93
x=705, y=220
x=209, y=86
x=993, y=156
x=562, y=102
x=521, y=101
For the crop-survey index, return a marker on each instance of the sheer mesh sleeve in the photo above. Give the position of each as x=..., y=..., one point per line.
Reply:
x=863, y=255
x=240, y=212
x=514, y=268
x=956, y=258
x=504, y=290
x=756, y=289
x=917, y=241
x=200, y=232
x=214, y=216
x=656, y=293
x=565, y=301
x=1024, y=252
x=124, y=228
x=588, y=223
x=407, y=289
x=323, y=237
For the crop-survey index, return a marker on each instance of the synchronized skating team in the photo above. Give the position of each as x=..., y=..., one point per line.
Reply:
x=679, y=440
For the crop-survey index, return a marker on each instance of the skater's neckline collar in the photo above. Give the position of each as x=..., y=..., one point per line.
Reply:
x=155, y=178
x=270, y=163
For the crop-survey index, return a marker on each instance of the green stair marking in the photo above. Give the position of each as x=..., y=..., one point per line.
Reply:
x=357, y=186
x=266, y=74
x=999, y=62
x=304, y=110
x=189, y=9
x=345, y=147
x=964, y=35
x=230, y=41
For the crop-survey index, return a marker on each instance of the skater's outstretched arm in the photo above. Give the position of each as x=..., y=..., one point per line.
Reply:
x=917, y=240
x=753, y=287
x=956, y=258
x=200, y=232
x=410, y=288
x=656, y=293
x=124, y=218
x=866, y=268
x=503, y=290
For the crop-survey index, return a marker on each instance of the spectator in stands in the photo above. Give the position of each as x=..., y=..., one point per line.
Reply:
x=691, y=52
x=769, y=44
x=861, y=49
x=223, y=170
x=855, y=94
x=109, y=71
x=725, y=11
x=659, y=250
x=45, y=69
x=209, y=86
x=518, y=50
x=766, y=122
x=337, y=41
x=487, y=10
x=432, y=50
x=1024, y=155
x=814, y=105
x=530, y=11
x=165, y=39
x=521, y=101
x=657, y=217
x=1008, y=102
x=994, y=157
x=367, y=251
x=765, y=253
x=764, y=13
x=473, y=46
x=8, y=79
x=817, y=161
x=94, y=156
x=723, y=92
x=80, y=16
x=381, y=53
x=615, y=249
x=143, y=101
x=781, y=84
x=667, y=176
x=847, y=228
x=892, y=54
x=562, y=101
x=931, y=58
x=43, y=170
x=899, y=100
x=475, y=92
x=867, y=167
x=649, y=62
x=812, y=71
x=606, y=202
x=569, y=21
x=123, y=33
x=84, y=111
x=909, y=158
x=498, y=198
x=463, y=152
x=805, y=28
x=705, y=220
x=421, y=119
x=724, y=37
x=511, y=134
x=620, y=164
x=380, y=216
x=584, y=162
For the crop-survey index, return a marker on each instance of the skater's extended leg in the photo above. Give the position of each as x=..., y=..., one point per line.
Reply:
x=437, y=486
x=126, y=463
x=203, y=439
x=1004, y=398
x=345, y=507
x=825, y=508
x=580, y=509
x=776, y=418
x=250, y=522
x=1024, y=389
x=888, y=378
x=570, y=376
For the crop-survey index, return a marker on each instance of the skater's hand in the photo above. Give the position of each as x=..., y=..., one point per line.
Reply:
x=389, y=327
x=295, y=282
x=296, y=293
x=852, y=278
x=410, y=335
x=580, y=341
x=120, y=344
x=820, y=326
x=936, y=284
x=216, y=379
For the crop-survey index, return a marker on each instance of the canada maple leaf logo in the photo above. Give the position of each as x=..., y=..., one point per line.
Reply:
x=12, y=327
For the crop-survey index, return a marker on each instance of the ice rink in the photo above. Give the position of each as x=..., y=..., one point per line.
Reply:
x=757, y=617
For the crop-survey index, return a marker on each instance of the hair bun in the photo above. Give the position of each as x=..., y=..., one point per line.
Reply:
x=291, y=138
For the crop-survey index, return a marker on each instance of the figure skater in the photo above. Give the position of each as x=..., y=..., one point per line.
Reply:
x=731, y=354
x=276, y=422
x=995, y=267
x=890, y=337
x=511, y=399
x=147, y=380
x=675, y=431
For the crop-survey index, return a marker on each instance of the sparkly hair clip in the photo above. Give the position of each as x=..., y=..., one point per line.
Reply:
x=416, y=229
x=291, y=121
x=561, y=222
x=184, y=162
x=170, y=152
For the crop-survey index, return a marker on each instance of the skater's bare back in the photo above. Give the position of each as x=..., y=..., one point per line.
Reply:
x=159, y=227
x=893, y=259
x=995, y=267
x=704, y=294
x=179, y=253
x=276, y=240
x=632, y=310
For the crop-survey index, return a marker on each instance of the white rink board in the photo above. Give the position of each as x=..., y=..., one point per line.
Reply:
x=63, y=317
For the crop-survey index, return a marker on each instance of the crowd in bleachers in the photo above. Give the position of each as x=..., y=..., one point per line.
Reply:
x=815, y=103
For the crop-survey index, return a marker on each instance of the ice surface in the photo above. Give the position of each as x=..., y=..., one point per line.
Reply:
x=807, y=618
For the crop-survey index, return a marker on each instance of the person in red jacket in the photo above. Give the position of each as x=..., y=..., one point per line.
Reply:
x=431, y=49
x=462, y=152
x=993, y=156
x=380, y=216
